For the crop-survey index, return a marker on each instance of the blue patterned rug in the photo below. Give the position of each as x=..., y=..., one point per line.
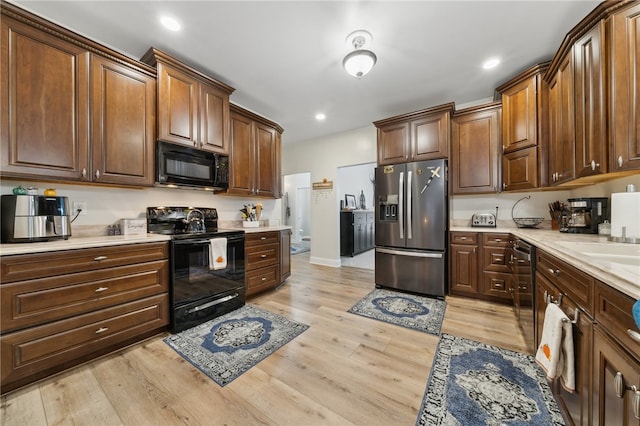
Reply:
x=225, y=347
x=472, y=383
x=407, y=310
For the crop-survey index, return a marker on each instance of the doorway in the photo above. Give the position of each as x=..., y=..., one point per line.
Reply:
x=296, y=210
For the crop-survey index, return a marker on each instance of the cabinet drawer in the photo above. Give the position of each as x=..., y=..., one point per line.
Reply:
x=262, y=279
x=46, y=348
x=495, y=239
x=40, y=265
x=464, y=238
x=496, y=259
x=569, y=280
x=261, y=256
x=253, y=239
x=37, y=301
x=613, y=311
x=497, y=284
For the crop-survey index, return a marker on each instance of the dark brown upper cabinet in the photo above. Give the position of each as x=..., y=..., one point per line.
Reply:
x=417, y=136
x=193, y=109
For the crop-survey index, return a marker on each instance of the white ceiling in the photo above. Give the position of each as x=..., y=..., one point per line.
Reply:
x=284, y=57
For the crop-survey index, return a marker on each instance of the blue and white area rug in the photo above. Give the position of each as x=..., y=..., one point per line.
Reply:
x=472, y=383
x=407, y=310
x=225, y=347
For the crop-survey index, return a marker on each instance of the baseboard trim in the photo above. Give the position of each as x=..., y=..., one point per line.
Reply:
x=334, y=263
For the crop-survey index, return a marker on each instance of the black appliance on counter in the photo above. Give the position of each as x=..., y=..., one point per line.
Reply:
x=584, y=215
x=411, y=223
x=34, y=218
x=198, y=291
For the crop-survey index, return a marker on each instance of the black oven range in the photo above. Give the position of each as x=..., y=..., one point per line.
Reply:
x=206, y=264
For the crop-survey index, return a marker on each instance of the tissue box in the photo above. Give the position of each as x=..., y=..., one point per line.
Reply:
x=133, y=226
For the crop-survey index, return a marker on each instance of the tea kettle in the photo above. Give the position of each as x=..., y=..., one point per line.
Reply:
x=195, y=222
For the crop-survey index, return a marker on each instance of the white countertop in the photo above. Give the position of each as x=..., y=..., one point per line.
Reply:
x=625, y=278
x=103, y=241
x=79, y=243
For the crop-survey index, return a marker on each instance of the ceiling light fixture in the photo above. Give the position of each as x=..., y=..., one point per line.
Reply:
x=170, y=23
x=360, y=61
x=491, y=63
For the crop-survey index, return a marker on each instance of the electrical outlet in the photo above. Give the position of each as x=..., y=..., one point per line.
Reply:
x=80, y=205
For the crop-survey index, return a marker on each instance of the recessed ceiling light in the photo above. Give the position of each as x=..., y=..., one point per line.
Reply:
x=170, y=23
x=491, y=63
x=320, y=116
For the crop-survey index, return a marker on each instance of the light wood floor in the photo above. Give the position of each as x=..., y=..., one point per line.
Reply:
x=345, y=369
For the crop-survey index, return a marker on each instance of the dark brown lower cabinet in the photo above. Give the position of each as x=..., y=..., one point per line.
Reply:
x=616, y=374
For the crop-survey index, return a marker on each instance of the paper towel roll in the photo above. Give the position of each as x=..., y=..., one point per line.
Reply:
x=625, y=211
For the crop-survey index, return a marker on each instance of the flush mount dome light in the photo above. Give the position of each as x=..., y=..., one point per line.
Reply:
x=360, y=61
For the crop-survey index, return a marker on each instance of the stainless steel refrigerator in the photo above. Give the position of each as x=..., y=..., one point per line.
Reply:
x=411, y=207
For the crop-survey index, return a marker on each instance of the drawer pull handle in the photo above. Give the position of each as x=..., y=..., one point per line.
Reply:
x=264, y=278
x=636, y=403
x=101, y=330
x=99, y=258
x=555, y=272
x=463, y=238
x=101, y=289
x=263, y=238
x=498, y=240
x=634, y=335
x=263, y=256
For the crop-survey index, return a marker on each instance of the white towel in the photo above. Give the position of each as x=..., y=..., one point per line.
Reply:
x=555, y=353
x=218, y=253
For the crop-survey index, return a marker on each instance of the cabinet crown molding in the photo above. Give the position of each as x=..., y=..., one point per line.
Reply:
x=448, y=107
x=537, y=69
x=154, y=55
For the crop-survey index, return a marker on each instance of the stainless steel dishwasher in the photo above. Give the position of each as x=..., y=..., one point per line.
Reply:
x=523, y=294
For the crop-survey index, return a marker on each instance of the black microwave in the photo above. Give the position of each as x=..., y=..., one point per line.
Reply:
x=181, y=165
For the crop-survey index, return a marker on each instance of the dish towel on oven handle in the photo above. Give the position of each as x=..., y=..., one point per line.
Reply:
x=218, y=253
x=555, y=353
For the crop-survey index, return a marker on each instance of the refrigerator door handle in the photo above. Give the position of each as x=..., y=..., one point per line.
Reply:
x=410, y=253
x=400, y=205
x=409, y=206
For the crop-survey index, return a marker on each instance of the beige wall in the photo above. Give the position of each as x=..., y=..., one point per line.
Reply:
x=321, y=158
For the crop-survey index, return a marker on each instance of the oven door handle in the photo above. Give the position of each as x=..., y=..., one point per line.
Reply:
x=206, y=241
x=212, y=303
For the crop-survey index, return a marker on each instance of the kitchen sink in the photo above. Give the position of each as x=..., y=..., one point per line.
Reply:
x=612, y=253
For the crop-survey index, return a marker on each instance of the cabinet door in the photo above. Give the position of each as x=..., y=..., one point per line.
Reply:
x=285, y=254
x=624, y=126
x=561, y=124
x=519, y=120
x=430, y=137
x=474, y=152
x=123, y=111
x=45, y=105
x=464, y=269
x=612, y=363
x=265, y=150
x=214, y=119
x=242, y=157
x=177, y=106
x=520, y=169
x=393, y=143
x=591, y=143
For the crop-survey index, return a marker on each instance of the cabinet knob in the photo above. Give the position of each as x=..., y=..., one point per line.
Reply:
x=97, y=174
x=594, y=165
x=263, y=256
x=463, y=238
x=84, y=173
x=498, y=240
x=555, y=272
x=620, y=161
x=504, y=186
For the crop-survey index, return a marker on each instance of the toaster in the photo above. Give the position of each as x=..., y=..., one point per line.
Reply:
x=483, y=220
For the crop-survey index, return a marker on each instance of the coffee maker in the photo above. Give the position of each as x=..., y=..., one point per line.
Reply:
x=33, y=218
x=584, y=215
